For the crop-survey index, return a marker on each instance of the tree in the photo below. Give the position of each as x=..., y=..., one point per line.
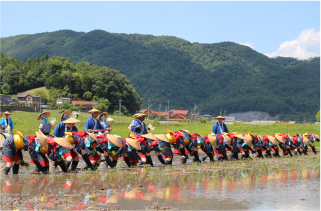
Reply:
x=6, y=89
x=102, y=107
x=88, y=95
x=65, y=105
x=318, y=116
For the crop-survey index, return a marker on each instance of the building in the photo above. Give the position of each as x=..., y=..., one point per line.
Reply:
x=60, y=100
x=7, y=100
x=29, y=99
x=88, y=104
x=180, y=115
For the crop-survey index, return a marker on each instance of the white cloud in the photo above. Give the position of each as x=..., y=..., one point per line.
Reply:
x=248, y=45
x=305, y=46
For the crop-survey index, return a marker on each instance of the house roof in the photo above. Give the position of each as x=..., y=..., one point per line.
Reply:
x=180, y=112
x=163, y=113
x=6, y=98
x=79, y=102
x=26, y=94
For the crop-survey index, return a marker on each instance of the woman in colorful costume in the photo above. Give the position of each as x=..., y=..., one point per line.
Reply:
x=6, y=123
x=129, y=151
x=182, y=139
x=111, y=145
x=103, y=119
x=164, y=147
x=12, y=147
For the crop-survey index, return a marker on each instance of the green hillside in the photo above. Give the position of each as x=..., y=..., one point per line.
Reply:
x=215, y=76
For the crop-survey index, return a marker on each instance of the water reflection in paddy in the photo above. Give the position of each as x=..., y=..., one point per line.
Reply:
x=256, y=185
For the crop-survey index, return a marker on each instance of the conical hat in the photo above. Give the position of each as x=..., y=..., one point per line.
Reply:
x=46, y=112
x=162, y=137
x=43, y=140
x=186, y=131
x=273, y=140
x=93, y=136
x=7, y=112
x=228, y=139
x=104, y=113
x=63, y=142
x=2, y=138
x=134, y=143
x=135, y=115
x=114, y=139
x=67, y=113
x=94, y=111
x=219, y=117
x=212, y=138
x=248, y=140
x=306, y=139
x=290, y=137
x=240, y=136
x=140, y=115
x=149, y=136
x=113, y=199
x=279, y=138
x=317, y=136
x=71, y=120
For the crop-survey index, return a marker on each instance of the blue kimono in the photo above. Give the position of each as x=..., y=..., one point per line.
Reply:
x=61, y=129
x=4, y=122
x=217, y=129
x=93, y=124
x=142, y=130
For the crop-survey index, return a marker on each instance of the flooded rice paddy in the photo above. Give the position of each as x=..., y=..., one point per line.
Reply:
x=258, y=184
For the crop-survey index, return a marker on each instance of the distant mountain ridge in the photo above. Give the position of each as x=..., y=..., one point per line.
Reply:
x=226, y=76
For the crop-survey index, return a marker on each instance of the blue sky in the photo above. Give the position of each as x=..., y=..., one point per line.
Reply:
x=288, y=28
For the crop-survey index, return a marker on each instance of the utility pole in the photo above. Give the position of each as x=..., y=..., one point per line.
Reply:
x=148, y=108
x=220, y=112
x=40, y=104
x=168, y=105
x=58, y=106
x=120, y=109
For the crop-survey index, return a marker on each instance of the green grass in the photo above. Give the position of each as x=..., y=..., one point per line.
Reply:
x=33, y=91
x=27, y=123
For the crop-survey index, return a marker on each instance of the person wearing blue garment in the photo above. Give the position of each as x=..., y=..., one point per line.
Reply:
x=92, y=123
x=68, y=125
x=219, y=127
x=139, y=127
x=104, y=122
x=45, y=126
x=6, y=123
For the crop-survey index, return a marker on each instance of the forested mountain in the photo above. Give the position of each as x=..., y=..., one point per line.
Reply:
x=77, y=81
x=226, y=76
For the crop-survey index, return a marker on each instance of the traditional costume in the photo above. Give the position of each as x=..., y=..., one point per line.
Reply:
x=62, y=127
x=92, y=123
x=138, y=122
x=6, y=123
x=45, y=125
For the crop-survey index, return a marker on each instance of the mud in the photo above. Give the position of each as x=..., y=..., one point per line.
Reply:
x=277, y=183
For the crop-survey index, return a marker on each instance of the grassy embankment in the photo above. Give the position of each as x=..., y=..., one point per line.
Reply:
x=27, y=123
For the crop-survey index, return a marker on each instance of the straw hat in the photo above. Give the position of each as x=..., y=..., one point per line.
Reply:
x=71, y=120
x=135, y=115
x=306, y=139
x=104, y=113
x=186, y=131
x=2, y=138
x=113, y=199
x=219, y=117
x=149, y=136
x=228, y=139
x=114, y=139
x=240, y=136
x=40, y=115
x=162, y=137
x=140, y=116
x=212, y=138
x=63, y=142
x=94, y=111
x=93, y=136
x=248, y=140
x=134, y=143
x=273, y=140
x=64, y=114
x=7, y=113
x=279, y=138
x=290, y=137
x=43, y=139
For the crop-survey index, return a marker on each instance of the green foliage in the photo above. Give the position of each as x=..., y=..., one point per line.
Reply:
x=217, y=76
x=203, y=120
x=102, y=107
x=61, y=76
x=318, y=116
x=6, y=89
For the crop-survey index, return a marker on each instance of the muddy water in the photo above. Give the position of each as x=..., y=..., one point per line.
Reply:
x=278, y=184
